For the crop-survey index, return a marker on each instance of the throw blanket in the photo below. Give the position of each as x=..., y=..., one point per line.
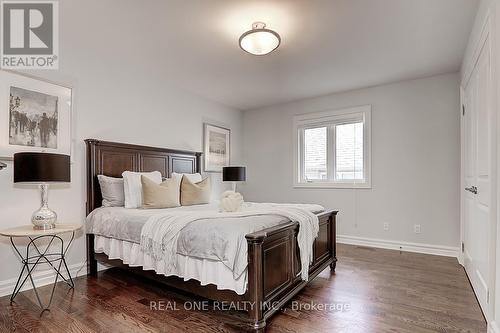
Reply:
x=160, y=233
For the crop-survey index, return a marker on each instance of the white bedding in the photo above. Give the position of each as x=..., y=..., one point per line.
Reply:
x=160, y=234
x=206, y=246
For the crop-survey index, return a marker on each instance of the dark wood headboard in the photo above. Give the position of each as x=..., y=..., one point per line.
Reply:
x=112, y=158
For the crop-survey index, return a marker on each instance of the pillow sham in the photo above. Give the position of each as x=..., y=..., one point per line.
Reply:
x=163, y=195
x=112, y=191
x=193, y=177
x=195, y=193
x=133, y=187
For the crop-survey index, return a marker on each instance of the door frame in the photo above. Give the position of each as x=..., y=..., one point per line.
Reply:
x=486, y=32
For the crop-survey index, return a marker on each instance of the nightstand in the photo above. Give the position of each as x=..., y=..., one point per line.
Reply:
x=34, y=256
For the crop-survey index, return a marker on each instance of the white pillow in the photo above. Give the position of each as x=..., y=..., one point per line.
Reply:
x=112, y=191
x=192, y=177
x=133, y=187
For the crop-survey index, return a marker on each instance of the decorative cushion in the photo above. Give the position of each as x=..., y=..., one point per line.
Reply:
x=133, y=187
x=193, y=177
x=112, y=191
x=163, y=195
x=195, y=193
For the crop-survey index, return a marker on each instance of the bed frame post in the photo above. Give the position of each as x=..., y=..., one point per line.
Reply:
x=333, y=249
x=91, y=261
x=256, y=283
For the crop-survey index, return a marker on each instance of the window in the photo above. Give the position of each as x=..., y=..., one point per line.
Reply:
x=315, y=153
x=349, y=151
x=333, y=148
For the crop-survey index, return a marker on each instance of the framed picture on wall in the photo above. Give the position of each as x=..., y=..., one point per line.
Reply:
x=35, y=115
x=216, y=147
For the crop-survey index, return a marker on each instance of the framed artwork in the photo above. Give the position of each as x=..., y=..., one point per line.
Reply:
x=35, y=115
x=216, y=147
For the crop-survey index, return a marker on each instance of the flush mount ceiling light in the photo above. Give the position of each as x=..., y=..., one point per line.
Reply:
x=259, y=40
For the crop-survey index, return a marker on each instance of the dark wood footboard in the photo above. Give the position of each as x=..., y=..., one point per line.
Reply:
x=274, y=265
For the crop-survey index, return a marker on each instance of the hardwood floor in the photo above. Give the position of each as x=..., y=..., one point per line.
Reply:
x=373, y=290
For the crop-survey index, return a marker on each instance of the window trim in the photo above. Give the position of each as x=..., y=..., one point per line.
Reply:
x=317, y=119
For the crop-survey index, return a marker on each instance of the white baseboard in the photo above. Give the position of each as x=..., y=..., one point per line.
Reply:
x=41, y=278
x=461, y=260
x=439, y=250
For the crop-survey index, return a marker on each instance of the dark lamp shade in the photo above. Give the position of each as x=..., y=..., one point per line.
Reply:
x=41, y=168
x=233, y=174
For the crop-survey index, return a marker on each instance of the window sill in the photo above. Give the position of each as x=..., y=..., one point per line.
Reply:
x=333, y=185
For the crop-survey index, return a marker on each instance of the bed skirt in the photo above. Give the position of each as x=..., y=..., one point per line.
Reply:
x=203, y=270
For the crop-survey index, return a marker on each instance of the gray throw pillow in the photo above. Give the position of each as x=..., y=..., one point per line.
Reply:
x=112, y=191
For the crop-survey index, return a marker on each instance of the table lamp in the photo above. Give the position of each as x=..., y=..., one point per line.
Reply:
x=234, y=174
x=42, y=169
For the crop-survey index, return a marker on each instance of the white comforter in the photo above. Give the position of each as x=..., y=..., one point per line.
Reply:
x=160, y=233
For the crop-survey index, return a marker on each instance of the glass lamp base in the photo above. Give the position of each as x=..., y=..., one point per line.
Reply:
x=44, y=227
x=44, y=218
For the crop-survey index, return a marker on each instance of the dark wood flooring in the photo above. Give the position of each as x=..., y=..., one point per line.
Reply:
x=373, y=290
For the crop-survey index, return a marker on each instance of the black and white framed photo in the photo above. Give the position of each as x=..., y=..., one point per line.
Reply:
x=35, y=115
x=216, y=147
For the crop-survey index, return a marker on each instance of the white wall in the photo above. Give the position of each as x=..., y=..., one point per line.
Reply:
x=122, y=93
x=415, y=161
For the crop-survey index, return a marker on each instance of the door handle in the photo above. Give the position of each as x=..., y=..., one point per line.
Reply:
x=471, y=189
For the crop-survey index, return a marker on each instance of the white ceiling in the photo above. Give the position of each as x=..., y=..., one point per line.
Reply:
x=327, y=46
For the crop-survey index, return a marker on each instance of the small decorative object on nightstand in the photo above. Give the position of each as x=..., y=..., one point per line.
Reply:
x=234, y=174
x=37, y=253
x=231, y=202
x=2, y=165
x=42, y=169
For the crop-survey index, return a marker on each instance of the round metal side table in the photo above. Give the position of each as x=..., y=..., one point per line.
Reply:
x=38, y=251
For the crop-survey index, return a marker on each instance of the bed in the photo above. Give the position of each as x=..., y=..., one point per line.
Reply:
x=272, y=274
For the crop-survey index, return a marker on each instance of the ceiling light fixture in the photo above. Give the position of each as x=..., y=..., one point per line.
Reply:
x=259, y=40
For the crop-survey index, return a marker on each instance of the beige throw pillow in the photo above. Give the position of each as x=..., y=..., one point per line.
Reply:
x=195, y=193
x=163, y=195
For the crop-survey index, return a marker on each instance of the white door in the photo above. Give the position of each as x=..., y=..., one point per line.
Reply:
x=477, y=198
